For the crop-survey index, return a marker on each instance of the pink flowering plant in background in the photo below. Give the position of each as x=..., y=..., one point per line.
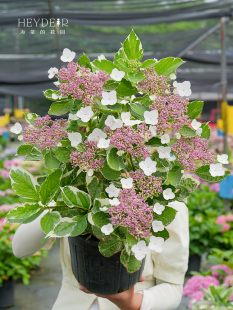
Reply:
x=119, y=159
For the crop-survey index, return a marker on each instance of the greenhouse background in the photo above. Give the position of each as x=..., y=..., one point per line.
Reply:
x=32, y=38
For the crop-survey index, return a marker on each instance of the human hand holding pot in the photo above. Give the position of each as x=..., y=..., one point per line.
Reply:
x=127, y=300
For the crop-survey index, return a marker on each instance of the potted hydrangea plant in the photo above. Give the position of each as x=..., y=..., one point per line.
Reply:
x=117, y=162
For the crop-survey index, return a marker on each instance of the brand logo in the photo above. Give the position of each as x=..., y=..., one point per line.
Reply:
x=42, y=22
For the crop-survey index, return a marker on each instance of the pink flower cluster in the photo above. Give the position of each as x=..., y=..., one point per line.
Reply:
x=223, y=267
x=172, y=113
x=147, y=186
x=81, y=83
x=131, y=140
x=46, y=133
x=87, y=160
x=187, y=150
x=133, y=213
x=154, y=83
x=194, y=285
x=222, y=220
x=7, y=208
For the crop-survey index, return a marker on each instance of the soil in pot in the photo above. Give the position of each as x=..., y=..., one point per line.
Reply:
x=99, y=274
x=7, y=294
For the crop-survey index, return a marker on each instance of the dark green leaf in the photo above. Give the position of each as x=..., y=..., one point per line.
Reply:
x=111, y=246
x=205, y=131
x=60, y=107
x=138, y=110
x=174, y=175
x=167, y=215
x=109, y=173
x=50, y=186
x=114, y=161
x=125, y=88
x=100, y=219
x=94, y=188
x=80, y=225
x=164, y=234
x=63, y=154
x=49, y=220
x=195, y=108
x=24, y=150
x=51, y=161
x=203, y=173
x=135, y=78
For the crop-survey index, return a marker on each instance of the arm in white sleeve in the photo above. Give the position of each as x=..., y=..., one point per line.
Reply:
x=27, y=238
x=165, y=296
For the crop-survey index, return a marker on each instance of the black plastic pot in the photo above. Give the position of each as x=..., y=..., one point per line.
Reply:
x=7, y=294
x=194, y=263
x=99, y=274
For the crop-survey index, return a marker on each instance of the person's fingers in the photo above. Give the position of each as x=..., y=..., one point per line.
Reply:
x=82, y=288
x=142, y=279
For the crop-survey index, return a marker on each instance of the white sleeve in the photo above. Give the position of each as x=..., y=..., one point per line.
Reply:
x=27, y=238
x=165, y=296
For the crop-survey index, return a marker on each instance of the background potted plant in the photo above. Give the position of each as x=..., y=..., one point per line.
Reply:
x=113, y=183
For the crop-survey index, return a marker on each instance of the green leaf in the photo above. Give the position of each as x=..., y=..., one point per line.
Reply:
x=205, y=131
x=203, y=173
x=111, y=246
x=84, y=61
x=132, y=47
x=131, y=240
x=195, y=108
x=164, y=234
x=135, y=78
x=63, y=154
x=50, y=186
x=187, y=131
x=109, y=108
x=64, y=228
x=21, y=213
x=124, y=258
x=94, y=188
x=23, y=183
x=100, y=219
x=51, y=162
x=168, y=65
x=221, y=271
x=154, y=142
x=114, y=161
x=72, y=196
x=182, y=194
x=24, y=150
x=227, y=294
x=104, y=65
x=138, y=110
x=148, y=63
x=134, y=264
x=110, y=85
x=167, y=215
x=97, y=232
x=109, y=173
x=125, y=88
x=174, y=175
x=60, y=107
x=75, y=106
x=31, y=120
x=49, y=220
x=48, y=93
x=101, y=124
x=80, y=225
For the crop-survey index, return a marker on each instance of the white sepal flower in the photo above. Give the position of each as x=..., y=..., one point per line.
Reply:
x=103, y=143
x=216, y=170
x=112, y=191
x=158, y=208
x=177, y=135
x=127, y=183
x=172, y=157
x=20, y=137
x=156, y=244
x=85, y=114
x=107, y=229
x=55, y=96
x=52, y=71
x=151, y=117
x=157, y=226
x=153, y=130
x=140, y=250
x=101, y=57
x=59, y=144
x=165, y=138
x=117, y=75
x=17, y=128
x=195, y=124
x=67, y=55
x=223, y=159
x=103, y=209
x=29, y=116
x=120, y=153
x=199, y=131
x=90, y=172
x=125, y=116
x=75, y=138
x=184, y=88
x=73, y=117
x=148, y=166
x=96, y=135
x=164, y=151
x=168, y=194
x=152, y=97
x=114, y=202
x=57, y=83
x=109, y=98
x=113, y=123
x=89, y=218
x=124, y=101
x=172, y=76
